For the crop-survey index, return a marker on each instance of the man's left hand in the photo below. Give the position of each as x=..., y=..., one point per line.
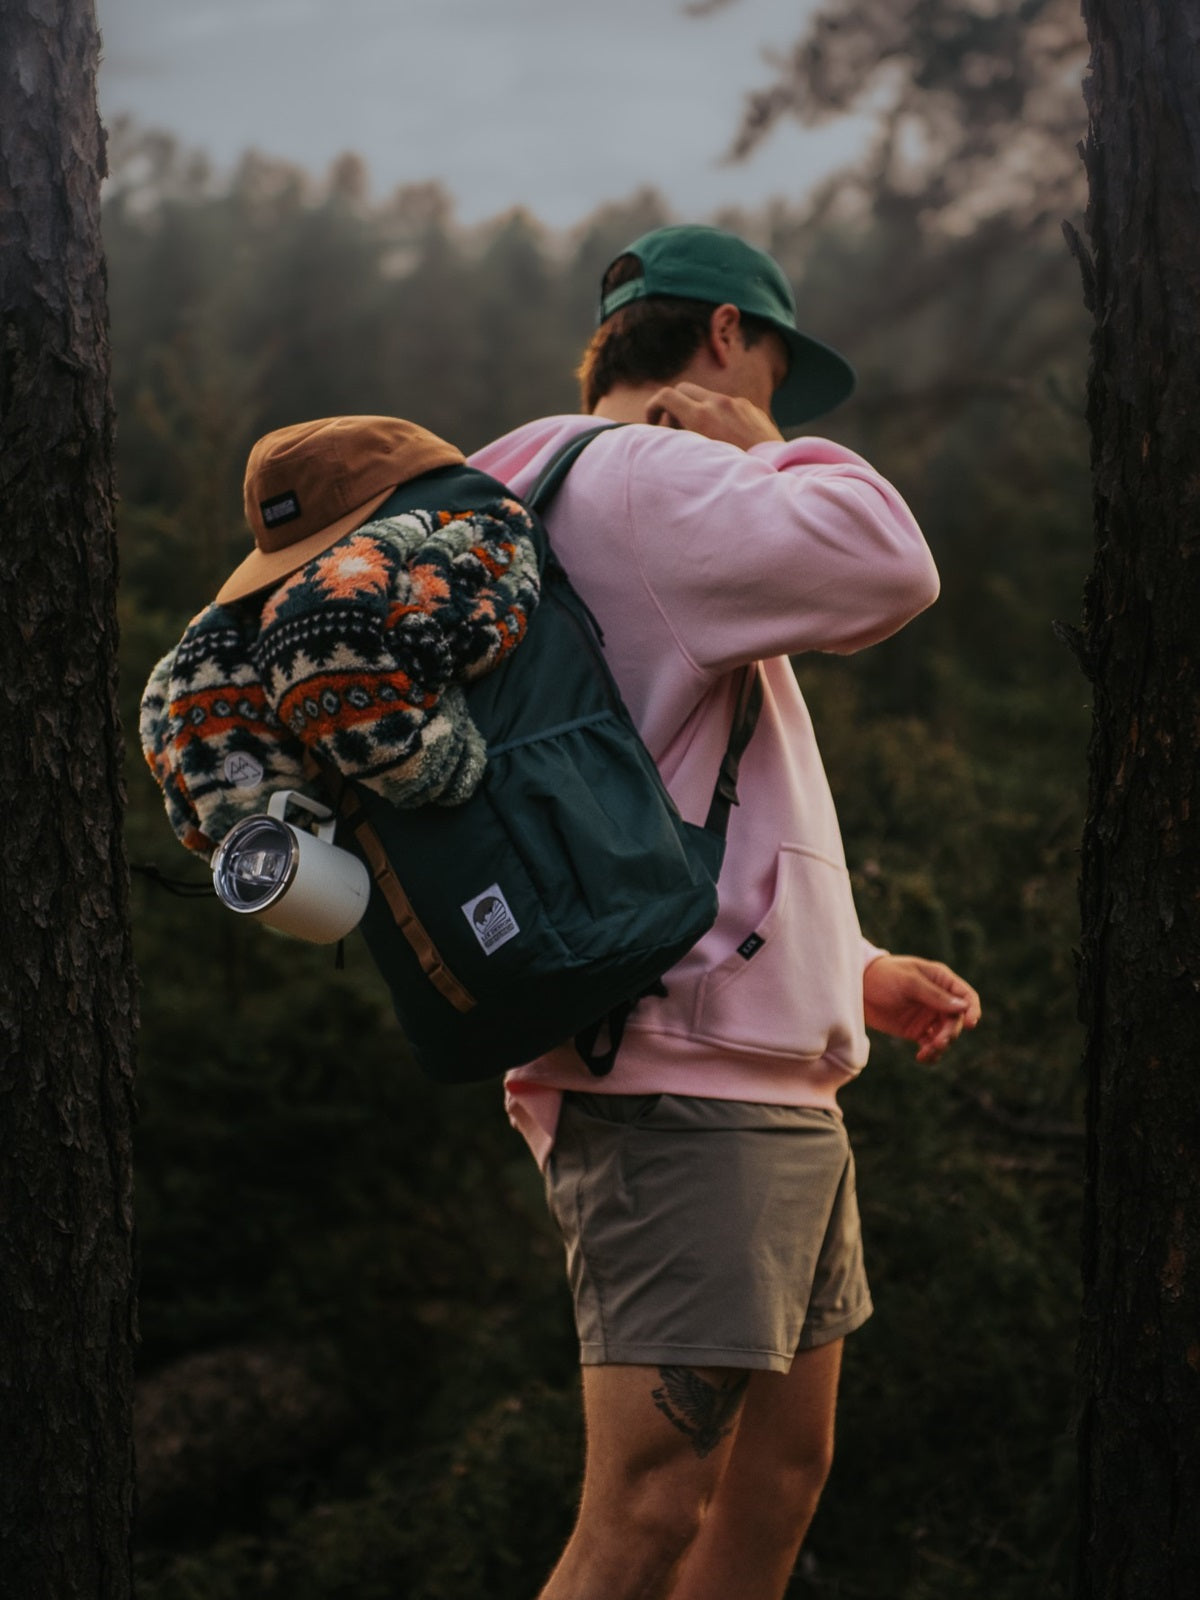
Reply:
x=911, y=998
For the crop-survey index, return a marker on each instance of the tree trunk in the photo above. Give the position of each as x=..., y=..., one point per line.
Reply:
x=67, y=1006
x=1140, y=972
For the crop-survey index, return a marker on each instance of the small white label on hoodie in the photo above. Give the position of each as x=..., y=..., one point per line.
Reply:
x=491, y=920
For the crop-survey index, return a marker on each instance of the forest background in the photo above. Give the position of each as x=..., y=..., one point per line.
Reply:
x=358, y=1372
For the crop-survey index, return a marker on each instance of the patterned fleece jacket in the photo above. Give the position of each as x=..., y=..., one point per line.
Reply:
x=358, y=658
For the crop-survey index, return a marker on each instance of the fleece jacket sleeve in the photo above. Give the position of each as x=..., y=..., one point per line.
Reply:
x=787, y=547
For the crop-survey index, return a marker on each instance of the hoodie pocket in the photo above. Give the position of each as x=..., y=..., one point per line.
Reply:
x=794, y=986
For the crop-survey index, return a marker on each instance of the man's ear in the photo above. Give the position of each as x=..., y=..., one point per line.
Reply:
x=725, y=334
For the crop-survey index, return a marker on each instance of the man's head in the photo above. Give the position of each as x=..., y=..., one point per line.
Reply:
x=657, y=305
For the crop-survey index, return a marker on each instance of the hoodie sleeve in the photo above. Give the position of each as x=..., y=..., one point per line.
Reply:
x=788, y=547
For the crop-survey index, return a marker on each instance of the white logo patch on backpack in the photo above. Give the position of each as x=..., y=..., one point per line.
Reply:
x=491, y=921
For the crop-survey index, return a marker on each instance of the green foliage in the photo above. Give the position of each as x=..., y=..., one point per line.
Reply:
x=302, y=1189
x=480, y=1520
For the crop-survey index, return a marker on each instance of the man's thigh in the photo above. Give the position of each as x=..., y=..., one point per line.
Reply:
x=670, y=1422
x=787, y=1419
x=684, y=1431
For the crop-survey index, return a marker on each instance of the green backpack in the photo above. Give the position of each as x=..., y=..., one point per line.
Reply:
x=542, y=908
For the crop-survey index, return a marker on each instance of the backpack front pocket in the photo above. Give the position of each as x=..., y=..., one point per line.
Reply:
x=613, y=865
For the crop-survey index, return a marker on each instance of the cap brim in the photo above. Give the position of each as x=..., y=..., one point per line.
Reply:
x=261, y=569
x=818, y=380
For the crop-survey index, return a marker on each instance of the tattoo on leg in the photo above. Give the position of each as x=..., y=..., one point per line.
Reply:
x=703, y=1411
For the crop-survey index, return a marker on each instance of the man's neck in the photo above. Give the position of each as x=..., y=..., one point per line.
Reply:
x=626, y=402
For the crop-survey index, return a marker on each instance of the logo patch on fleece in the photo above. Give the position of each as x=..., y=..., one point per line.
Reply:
x=492, y=923
x=751, y=946
x=282, y=508
x=241, y=770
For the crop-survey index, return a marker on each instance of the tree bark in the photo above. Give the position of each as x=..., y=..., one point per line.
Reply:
x=1139, y=1360
x=67, y=1005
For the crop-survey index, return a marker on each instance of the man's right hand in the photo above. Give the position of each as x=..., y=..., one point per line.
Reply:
x=924, y=1001
x=717, y=416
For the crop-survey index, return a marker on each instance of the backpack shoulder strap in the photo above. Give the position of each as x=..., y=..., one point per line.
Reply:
x=745, y=719
x=560, y=463
x=600, y=1061
x=750, y=693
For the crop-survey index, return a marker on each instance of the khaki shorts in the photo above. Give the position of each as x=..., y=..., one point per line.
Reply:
x=706, y=1232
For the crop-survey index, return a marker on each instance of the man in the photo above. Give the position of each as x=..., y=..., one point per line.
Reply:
x=705, y=1189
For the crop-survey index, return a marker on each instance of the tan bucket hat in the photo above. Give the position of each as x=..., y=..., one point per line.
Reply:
x=309, y=484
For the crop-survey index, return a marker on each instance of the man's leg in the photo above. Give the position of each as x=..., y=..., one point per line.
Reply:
x=658, y=1440
x=752, y=1532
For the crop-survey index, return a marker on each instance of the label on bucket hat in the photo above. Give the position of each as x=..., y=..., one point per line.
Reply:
x=492, y=923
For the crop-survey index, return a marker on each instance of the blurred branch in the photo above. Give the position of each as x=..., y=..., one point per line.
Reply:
x=1046, y=1130
x=976, y=111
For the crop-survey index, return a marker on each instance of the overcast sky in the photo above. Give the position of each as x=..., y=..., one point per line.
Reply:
x=557, y=105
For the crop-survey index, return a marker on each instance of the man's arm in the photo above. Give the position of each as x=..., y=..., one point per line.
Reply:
x=770, y=547
x=905, y=996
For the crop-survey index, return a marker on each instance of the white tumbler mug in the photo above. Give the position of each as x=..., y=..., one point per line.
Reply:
x=290, y=879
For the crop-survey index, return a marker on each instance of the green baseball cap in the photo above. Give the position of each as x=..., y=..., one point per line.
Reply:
x=693, y=262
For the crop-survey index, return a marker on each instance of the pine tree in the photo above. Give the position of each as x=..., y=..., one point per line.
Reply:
x=1140, y=1350
x=66, y=1002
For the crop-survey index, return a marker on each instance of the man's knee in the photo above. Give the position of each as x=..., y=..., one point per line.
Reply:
x=665, y=1513
x=813, y=1459
x=775, y=1488
x=656, y=1504
x=790, y=1497
x=632, y=1539
x=808, y=1472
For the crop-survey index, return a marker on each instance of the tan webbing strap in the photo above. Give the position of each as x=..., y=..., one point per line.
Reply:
x=410, y=925
x=390, y=887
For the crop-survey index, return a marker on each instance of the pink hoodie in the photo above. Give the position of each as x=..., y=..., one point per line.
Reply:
x=696, y=558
